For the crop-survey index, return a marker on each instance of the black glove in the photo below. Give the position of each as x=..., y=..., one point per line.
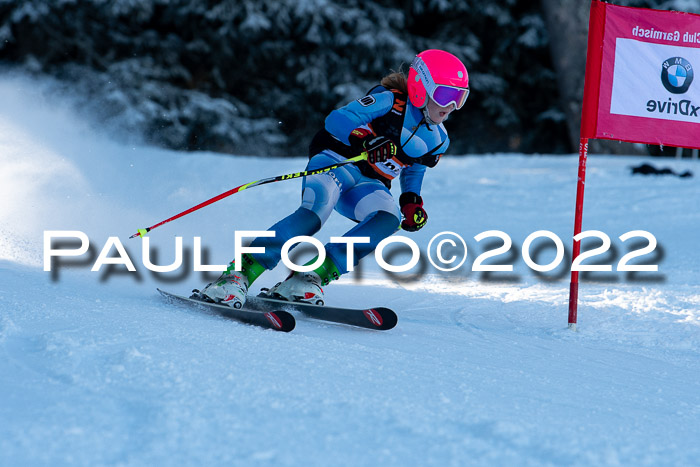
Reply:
x=412, y=208
x=378, y=148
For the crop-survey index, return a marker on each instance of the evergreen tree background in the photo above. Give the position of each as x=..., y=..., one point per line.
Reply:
x=260, y=76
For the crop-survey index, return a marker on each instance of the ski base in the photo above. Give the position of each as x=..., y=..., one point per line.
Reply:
x=379, y=318
x=270, y=318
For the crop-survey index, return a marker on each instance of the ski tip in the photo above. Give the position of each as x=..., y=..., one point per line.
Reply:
x=281, y=320
x=277, y=320
x=382, y=318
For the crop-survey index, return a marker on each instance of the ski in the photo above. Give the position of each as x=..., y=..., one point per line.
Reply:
x=270, y=318
x=380, y=318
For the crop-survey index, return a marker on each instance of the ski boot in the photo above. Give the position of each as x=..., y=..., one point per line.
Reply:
x=231, y=288
x=306, y=286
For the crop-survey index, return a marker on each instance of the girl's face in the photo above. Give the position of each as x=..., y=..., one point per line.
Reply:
x=438, y=114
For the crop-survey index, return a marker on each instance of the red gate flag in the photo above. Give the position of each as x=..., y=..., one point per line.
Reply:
x=640, y=88
x=640, y=76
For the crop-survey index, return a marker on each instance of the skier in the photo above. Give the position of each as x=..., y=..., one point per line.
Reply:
x=402, y=138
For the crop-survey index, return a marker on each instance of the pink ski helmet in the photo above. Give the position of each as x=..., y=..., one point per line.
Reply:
x=440, y=75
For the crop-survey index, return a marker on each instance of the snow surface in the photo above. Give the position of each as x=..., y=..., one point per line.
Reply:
x=95, y=368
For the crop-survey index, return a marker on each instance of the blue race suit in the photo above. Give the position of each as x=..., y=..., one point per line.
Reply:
x=360, y=191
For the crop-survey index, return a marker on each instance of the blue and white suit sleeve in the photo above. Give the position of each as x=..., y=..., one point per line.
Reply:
x=411, y=178
x=360, y=112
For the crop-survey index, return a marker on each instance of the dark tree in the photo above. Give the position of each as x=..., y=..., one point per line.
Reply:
x=259, y=76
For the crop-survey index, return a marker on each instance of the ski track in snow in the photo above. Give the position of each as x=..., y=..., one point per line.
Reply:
x=98, y=369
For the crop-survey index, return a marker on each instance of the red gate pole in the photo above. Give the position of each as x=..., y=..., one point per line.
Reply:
x=573, y=290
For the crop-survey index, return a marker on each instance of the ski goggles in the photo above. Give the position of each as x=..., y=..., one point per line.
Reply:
x=445, y=95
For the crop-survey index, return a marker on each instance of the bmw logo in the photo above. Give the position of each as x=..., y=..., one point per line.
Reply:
x=676, y=75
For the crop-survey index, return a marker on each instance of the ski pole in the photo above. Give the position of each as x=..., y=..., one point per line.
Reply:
x=279, y=178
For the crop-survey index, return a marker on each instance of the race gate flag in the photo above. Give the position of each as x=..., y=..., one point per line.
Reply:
x=640, y=87
x=640, y=76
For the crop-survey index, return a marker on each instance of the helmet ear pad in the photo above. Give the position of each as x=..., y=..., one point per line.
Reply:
x=417, y=93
